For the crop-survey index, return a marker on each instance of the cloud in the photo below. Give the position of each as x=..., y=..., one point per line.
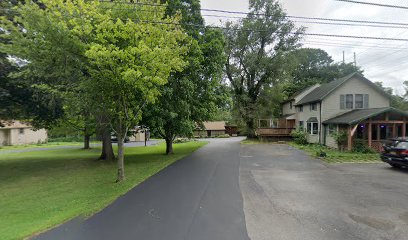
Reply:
x=383, y=61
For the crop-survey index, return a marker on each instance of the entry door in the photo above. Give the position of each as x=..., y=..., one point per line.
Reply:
x=208, y=133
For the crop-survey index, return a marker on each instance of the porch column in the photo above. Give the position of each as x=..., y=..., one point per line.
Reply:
x=351, y=132
x=349, y=139
x=378, y=132
x=404, y=127
x=394, y=130
x=370, y=133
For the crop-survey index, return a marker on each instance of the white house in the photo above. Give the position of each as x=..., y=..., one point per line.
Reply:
x=16, y=132
x=353, y=104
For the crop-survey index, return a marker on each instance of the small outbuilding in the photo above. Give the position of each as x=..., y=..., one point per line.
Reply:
x=16, y=132
x=210, y=129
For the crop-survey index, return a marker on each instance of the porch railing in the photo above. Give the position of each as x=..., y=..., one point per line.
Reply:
x=274, y=132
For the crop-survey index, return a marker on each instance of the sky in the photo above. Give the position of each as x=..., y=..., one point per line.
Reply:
x=382, y=61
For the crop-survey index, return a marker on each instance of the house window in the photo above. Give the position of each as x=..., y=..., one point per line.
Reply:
x=300, y=108
x=331, y=128
x=359, y=101
x=349, y=101
x=313, y=128
x=290, y=105
x=301, y=124
x=21, y=131
x=313, y=107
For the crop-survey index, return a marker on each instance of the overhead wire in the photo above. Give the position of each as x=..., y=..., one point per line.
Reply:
x=374, y=4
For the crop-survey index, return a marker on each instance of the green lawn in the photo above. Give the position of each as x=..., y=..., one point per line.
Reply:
x=335, y=156
x=41, y=189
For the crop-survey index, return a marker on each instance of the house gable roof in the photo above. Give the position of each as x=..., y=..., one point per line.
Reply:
x=12, y=124
x=324, y=90
x=358, y=115
x=218, y=125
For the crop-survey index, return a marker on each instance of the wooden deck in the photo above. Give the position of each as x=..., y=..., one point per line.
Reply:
x=274, y=132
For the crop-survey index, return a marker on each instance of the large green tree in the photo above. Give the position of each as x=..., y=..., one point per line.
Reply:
x=130, y=61
x=257, y=53
x=117, y=56
x=310, y=66
x=19, y=99
x=190, y=96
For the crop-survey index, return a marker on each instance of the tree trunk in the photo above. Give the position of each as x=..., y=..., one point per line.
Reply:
x=107, y=150
x=87, y=139
x=169, y=146
x=121, y=155
x=250, y=128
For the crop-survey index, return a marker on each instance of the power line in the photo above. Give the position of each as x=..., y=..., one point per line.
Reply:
x=265, y=15
x=373, y=4
x=252, y=30
x=318, y=22
x=369, y=23
x=355, y=46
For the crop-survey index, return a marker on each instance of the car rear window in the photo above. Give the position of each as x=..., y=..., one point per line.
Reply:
x=403, y=145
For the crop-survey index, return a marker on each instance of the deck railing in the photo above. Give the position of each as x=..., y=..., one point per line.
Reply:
x=274, y=132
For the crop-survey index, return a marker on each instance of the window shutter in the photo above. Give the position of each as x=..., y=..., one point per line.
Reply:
x=342, y=101
x=366, y=101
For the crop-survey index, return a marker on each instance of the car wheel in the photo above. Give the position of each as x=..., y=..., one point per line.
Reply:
x=395, y=165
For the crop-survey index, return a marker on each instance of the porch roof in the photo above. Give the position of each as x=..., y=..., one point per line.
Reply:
x=358, y=115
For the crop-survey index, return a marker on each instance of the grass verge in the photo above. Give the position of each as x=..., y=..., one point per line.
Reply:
x=335, y=156
x=41, y=189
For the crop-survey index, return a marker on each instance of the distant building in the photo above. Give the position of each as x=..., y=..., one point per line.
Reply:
x=139, y=134
x=211, y=129
x=16, y=132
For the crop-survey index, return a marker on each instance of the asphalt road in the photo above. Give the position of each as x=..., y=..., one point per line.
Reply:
x=196, y=198
x=261, y=192
x=288, y=195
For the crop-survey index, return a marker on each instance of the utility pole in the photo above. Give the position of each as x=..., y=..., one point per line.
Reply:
x=355, y=60
x=344, y=58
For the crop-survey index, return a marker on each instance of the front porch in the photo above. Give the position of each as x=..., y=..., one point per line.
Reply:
x=376, y=133
x=373, y=126
x=275, y=127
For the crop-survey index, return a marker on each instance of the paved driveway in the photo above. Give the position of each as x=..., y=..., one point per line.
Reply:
x=195, y=198
x=288, y=195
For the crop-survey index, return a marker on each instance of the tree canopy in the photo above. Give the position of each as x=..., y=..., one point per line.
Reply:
x=191, y=96
x=257, y=51
x=117, y=56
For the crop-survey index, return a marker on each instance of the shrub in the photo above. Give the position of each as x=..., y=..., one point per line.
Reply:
x=341, y=139
x=181, y=140
x=360, y=146
x=223, y=136
x=299, y=136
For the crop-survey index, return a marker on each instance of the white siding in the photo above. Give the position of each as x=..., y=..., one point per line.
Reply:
x=331, y=104
x=305, y=115
x=286, y=108
x=4, y=137
x=28, y=136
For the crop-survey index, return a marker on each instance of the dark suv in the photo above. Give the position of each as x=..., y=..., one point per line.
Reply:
x=395, y=153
